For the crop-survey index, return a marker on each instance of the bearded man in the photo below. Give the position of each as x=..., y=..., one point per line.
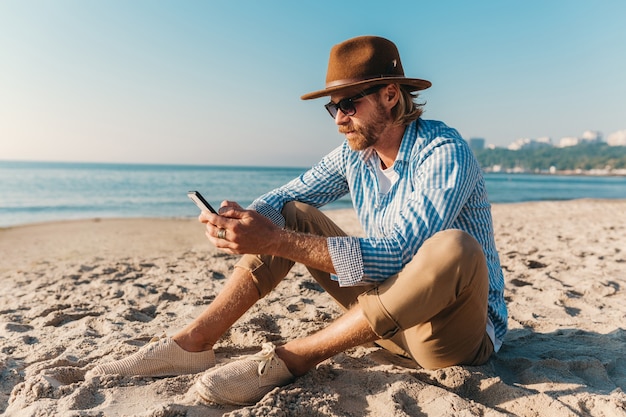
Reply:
x=425, y=282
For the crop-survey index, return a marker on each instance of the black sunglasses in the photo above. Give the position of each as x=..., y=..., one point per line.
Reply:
x=346, y=105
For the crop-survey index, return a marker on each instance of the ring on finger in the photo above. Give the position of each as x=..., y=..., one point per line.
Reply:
x=221, y=234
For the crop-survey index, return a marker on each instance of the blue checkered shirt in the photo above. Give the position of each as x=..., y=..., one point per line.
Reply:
x=440, y=186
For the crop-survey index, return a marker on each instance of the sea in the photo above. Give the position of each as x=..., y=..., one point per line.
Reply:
x=34, y=192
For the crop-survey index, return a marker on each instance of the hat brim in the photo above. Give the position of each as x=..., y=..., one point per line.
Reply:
x=412, y=84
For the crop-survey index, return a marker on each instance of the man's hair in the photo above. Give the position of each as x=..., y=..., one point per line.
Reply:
x=407, y=109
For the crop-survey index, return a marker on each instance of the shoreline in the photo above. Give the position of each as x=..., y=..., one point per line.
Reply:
x=81, y=292
x=96, y=219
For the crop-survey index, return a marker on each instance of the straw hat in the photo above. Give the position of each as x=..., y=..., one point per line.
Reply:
x=363, y=61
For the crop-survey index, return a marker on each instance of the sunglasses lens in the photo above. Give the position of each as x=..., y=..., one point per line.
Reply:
x=347, y=107
x=332, y=109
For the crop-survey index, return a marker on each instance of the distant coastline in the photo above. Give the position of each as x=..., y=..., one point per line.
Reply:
x=568, y=172
x=591, y=159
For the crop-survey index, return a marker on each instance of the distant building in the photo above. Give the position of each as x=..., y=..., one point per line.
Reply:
x=568, y=141
x=526, y=143
x=544, y=141
x=592, y=136
x=477, y=144
x=617, y=138
x=589, y=136
x=519, y=144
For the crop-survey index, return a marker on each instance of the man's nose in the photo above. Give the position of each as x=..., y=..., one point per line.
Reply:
x=340, y=118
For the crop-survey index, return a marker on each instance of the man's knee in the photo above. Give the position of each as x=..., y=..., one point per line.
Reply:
x=305, y=218
x=445, y=250
x=466, y=266
x=456, y=246
x=294, y=211
x=290, y=208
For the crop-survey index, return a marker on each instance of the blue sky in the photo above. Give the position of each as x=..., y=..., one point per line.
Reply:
x=200, y=82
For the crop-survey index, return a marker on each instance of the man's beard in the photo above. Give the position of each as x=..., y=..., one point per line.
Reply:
x=366, y=135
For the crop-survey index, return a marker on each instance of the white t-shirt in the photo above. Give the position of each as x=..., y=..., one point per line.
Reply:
x=386, y=177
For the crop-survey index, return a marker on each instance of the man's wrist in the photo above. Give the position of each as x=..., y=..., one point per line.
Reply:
x=280, y=239
x=304, y=248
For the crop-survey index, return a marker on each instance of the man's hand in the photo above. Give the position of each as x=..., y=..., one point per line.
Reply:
x=248, y=232
x=245, y=231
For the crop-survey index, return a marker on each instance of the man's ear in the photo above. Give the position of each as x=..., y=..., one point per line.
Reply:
x=391, y=95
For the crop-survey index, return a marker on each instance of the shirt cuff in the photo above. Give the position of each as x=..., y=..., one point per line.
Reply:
x=269, y=212
x=345, y=253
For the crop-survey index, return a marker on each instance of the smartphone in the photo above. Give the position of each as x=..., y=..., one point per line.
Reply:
x=200, y=201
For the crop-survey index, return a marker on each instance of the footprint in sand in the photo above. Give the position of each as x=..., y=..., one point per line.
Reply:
x=67, y=384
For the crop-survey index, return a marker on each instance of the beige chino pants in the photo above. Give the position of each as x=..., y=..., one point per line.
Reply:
x=434, y=311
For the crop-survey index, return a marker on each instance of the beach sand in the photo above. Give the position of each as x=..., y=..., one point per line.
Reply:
x=78, y=293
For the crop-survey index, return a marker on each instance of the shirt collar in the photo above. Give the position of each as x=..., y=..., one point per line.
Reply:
x=408, y=142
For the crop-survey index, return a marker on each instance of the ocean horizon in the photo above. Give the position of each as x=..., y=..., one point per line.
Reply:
x=34, y=192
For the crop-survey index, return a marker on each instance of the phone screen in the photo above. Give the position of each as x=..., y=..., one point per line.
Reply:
x=200, y=201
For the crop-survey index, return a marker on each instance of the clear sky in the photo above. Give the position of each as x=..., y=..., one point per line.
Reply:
x=219, y=82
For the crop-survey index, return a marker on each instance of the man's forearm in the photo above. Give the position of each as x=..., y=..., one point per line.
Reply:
x=310, y=250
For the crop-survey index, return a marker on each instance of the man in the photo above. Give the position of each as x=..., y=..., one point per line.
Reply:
x=426, y=280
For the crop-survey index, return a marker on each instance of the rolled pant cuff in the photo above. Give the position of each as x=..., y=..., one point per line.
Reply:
x=261, y=274
x=377, y=315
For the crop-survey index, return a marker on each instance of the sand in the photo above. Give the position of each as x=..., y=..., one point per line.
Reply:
x=79, y=293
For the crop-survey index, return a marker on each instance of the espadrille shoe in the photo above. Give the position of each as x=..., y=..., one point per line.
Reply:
x=160, y=357
x=245, y=381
